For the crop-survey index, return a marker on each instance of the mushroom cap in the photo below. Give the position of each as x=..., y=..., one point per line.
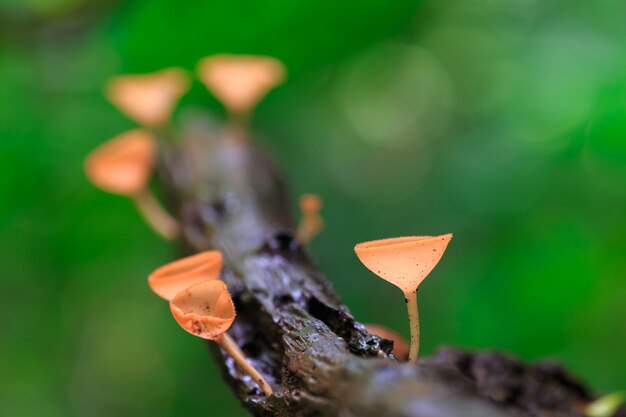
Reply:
x=123, y=164
x=403, y=261
x=205, y=309
x=310, y=203
x=148, y=99
x=400, y=346
x=170, y=279
x=240, y=81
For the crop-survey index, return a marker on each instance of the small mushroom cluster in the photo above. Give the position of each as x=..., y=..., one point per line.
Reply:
x=124, y=164
x=201, y=304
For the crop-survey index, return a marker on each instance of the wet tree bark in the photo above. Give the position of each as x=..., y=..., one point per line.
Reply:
x=320, y=361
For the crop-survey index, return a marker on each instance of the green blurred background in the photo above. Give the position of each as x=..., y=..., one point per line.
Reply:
x=503, y=122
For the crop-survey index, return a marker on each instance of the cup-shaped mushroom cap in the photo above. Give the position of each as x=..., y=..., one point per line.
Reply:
x=122, y=165
x=310, y=203
x=170, y=279
x=205, y=309
x=403, y=261
x=149, y=99
x=240, y=81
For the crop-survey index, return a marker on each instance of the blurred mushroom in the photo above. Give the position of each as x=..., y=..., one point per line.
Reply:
x=240, y=81
x=311, y=223
x=123, y=166
x=148, y=99
x=170, y=279
x=405, y=262
x=207, y=311
x=400, y=346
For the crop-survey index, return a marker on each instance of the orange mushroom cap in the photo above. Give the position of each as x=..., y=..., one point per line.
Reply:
x=240, y=81
x=400, y=346
x=310, y=203
x=403, y=261
x=149, y=99
x=170, y=279
x=205, y=309
x=123, y=164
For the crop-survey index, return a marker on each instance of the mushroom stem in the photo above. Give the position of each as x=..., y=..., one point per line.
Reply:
x=231, y=348
x=156, y=216
x=309, y=227
x=414, y=324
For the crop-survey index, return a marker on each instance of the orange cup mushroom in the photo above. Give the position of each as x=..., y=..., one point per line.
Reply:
x=206, y=310
x=239, y=82
x=149, y=99
x=405, y=262
x=171, y=279
x=400, y=346
x=311, y=223
x=123, y=166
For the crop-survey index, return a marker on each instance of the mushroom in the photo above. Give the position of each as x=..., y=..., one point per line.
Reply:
x=123, y=166
x=405, y=262
x=148, y=99
x=400, y=346
x=170, y=279
x=311, y=223
x=240, y=81
x=207, y=311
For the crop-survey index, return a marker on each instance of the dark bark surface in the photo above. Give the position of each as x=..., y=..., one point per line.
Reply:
x=293, y=327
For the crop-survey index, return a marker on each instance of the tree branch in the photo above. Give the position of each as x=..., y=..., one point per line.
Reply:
x=293, y=328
